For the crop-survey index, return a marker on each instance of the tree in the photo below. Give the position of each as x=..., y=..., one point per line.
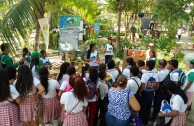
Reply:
x=24, y=14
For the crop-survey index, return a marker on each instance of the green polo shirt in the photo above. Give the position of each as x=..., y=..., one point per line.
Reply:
x=6, y=60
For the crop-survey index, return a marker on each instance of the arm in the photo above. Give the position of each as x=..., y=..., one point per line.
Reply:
x=60, y=93
x=134, y=104
x=18, y=100
x=188, y=86
x=157, y=86
x=170, y=114
x=8, y=61
x=40, y=89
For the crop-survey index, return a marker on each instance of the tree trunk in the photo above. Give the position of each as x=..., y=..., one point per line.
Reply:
x=37, y=37
x=119, y=25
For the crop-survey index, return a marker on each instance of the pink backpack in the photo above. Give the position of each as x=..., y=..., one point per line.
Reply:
x=68, y=88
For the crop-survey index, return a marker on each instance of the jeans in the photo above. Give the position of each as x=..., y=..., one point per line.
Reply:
x=113, y=121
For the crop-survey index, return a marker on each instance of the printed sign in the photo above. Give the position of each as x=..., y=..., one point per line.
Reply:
x=135, y=54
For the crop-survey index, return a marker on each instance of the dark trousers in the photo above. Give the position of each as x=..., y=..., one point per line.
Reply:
x=146, y=104
x=108, y=58
x=92, y=106
x=113, y=121
x=179, y=37
x=159, y=96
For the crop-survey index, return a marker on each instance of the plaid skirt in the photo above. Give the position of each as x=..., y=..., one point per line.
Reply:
x=75, y=119
x=179, y=120
x=27, y=109
x=62, y=112
x=51, y=109
x=9, y=114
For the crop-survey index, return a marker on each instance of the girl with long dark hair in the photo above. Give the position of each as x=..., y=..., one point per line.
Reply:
x=26, y=57
x=35, y=64
x=30, y=90
x=92, y=56
x=178, y=103
x=63, y=74
x=74, y=103
x=8, y=110
x=51, y=105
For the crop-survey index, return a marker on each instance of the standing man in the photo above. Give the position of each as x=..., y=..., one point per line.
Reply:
x=108, y=50
x=6, y=60
x=179, y=33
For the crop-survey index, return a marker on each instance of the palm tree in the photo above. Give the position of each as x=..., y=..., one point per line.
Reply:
x=23, y=15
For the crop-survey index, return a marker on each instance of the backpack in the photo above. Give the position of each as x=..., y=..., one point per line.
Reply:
x=150, y=83
x=182, y=77
x=92, y=87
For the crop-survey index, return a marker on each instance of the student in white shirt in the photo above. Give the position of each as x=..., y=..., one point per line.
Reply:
x=92, y=56
x=174, y=75
x=45, y=60
x=152, y=55
x=150, y=47
x=75, y=102
x=134, y=83
x=8, y=110
x=103, y=96
x=67, y=85
x=149, y=84
x=159, y=94
x=51, y=105
x=30, y=90
x=178, y=103
x=126, y=71
x=108, y=50
x=111, y=69
x=85, y=71
x=140, y=65
x=26, y=56
x=189, y=82
x=35, y=64
x=63, y=73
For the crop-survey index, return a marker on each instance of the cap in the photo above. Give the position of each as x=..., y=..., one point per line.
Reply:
x=151, y=44
x=191, y=60
x=35, y=55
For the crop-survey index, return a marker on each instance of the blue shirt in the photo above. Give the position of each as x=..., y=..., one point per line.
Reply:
x=119, y=103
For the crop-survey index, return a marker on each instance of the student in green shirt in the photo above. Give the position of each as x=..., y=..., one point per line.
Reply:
x=5, y=59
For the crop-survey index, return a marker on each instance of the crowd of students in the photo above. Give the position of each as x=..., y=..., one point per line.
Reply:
x=101, y=94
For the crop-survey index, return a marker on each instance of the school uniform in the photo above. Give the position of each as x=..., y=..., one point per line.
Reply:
x=177, y=104
x=7, y=61
x=108, y=55
x=159, y=94
x=51, y=105
x=174, y=76
x=28, y=104
x=9, y=114
x=126, y=72
x=133, y=84
x=94, y=62
x=77, y=117
x=45, y=62
x=103, y=101
x=113, y=72
x=190, y=91
x=65, y=77
x=147, y=96
x=35, y=73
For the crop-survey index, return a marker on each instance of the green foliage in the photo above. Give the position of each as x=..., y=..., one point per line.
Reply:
x=94, y=40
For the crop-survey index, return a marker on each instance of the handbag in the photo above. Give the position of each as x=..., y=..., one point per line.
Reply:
x=134, y=120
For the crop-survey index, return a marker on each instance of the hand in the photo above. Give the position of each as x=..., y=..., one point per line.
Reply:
x=160, y=114
x=11, y=81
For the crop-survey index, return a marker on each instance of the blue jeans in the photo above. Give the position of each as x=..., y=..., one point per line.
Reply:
x=113, y=121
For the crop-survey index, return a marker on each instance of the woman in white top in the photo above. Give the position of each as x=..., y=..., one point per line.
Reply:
x=51, y=105
x=178, y=103
x=63, y=73
x=35, y=64
x=92, y=56
x=108, y=50
x=126, y=71
x=8, y=110
x=30, y=90
x=75, y=103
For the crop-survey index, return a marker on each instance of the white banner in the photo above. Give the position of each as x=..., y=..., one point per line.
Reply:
x=44, y=26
